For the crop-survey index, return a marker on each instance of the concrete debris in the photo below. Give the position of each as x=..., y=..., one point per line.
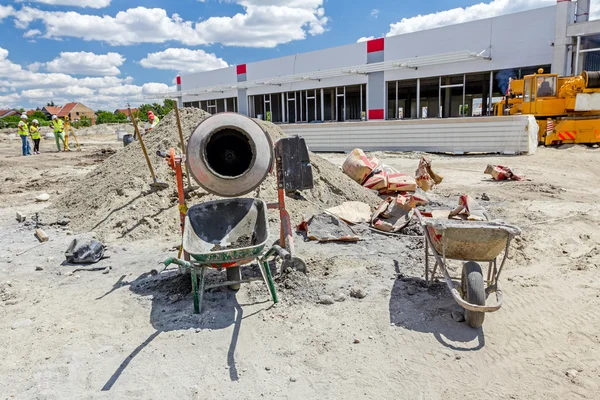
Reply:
x=340, y=297
x=21, y=217
x=326, y=300
x=358, y=293
x=411, y=290
x=572, y=373
x=485, y=197
x=43, y=197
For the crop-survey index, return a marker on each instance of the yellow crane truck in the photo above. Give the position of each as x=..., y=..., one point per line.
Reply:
x=567, y=109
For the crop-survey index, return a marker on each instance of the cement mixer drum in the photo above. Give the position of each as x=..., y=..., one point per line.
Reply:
x=229, y=154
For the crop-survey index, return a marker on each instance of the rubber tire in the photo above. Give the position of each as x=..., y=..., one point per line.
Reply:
x=234, y=274
x=473, y=292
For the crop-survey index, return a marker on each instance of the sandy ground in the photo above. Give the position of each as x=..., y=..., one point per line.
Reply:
x=119, y=333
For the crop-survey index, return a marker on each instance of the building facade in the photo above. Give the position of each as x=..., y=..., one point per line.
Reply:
x=453, y=71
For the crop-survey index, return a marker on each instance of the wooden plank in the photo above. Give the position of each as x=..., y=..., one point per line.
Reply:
x=41, y=235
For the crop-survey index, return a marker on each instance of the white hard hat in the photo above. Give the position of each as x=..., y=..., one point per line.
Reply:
x=23, y=116
x=35, y=121
x=54, y=117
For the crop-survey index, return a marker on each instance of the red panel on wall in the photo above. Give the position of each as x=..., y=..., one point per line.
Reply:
x=375, y=45
x=241, y=69
x=376, y=114
x=179, y=80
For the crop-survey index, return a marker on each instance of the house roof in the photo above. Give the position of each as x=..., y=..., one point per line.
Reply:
x=125, y=111
x=67, y=108
x=31, y=112
x=52, y=110
x=6, y=113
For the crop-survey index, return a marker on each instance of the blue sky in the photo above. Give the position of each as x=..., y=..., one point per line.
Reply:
x=107, y=46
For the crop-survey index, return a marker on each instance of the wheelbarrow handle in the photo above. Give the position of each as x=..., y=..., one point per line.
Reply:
x=283, y=253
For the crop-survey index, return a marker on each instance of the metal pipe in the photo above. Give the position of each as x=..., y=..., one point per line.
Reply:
x=440, y=98
x=590, y=50
x=577, y=55
x=418, y=98
x=491, y=94
x=322, y=105
x=464, y=86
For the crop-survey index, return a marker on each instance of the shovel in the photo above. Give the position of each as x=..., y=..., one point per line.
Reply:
x=156, y=184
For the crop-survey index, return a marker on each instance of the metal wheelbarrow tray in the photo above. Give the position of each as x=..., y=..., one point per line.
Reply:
x=221, y=223
x=227, y=234
x=472, y=242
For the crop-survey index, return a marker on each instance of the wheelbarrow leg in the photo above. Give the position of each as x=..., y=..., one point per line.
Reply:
x=427, y=262
x=270, y=282
x=195, y=291
x=198, y=293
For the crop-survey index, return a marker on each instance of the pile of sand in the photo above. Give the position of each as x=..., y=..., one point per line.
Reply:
x=115, y=200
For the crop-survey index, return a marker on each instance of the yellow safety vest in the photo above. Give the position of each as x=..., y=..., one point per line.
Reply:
x=152, y=125
x=58, y=126
x=23, y=129
x=35, y=132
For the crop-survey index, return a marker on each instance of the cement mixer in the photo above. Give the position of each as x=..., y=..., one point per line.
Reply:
x=230, y=155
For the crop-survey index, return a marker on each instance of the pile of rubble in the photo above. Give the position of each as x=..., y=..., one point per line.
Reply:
x=115, y=200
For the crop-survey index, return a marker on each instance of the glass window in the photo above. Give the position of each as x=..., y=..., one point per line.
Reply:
x=527, y=91
x=546, y=86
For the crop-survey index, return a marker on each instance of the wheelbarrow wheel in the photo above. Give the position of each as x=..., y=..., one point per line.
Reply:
x=474, y=292
x=234, y=274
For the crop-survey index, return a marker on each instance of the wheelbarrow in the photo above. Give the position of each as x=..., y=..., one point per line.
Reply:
x=226, y=234
x=471, y=242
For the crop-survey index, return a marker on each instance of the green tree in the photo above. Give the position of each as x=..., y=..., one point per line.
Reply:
x=120, y=117
x=51, y=104
x=105, y=117
x=40, y=116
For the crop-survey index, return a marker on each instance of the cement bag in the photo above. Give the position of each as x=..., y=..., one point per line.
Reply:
x=358, y=167
x=327, y=228
x=471, y=209
x=393, y=214
x=426, y=178
x=533, y=130
x=397, y=181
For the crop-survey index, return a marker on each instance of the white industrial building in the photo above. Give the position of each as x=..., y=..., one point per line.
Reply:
x=452, y=71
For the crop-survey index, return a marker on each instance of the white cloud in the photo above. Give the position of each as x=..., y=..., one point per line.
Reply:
x=183, y=60
x=374, y=13
x=264, y=23
x=460, y=15
x=74, y=3
x=365, y=39
x=85, y=63
x=31, y=88
x=32, y=33
x=35, y=67
x=6, y=11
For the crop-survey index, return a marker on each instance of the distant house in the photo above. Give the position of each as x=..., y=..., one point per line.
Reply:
x=51, y=110
x=75, y=111
x=8, y=113
x=31, y=112
x=126, y=112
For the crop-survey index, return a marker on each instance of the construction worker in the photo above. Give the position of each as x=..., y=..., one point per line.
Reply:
x=66, y=132
x=34, y=130
x=59, y=130
x=152, y=121
x=23, y=131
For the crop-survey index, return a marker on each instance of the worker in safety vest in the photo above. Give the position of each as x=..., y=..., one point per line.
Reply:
x=34, y=130
x=23, y=130
x=152, y=121
x=59, y=132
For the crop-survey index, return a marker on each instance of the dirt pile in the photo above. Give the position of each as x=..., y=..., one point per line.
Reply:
x=115, y=199
x=105, y=129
